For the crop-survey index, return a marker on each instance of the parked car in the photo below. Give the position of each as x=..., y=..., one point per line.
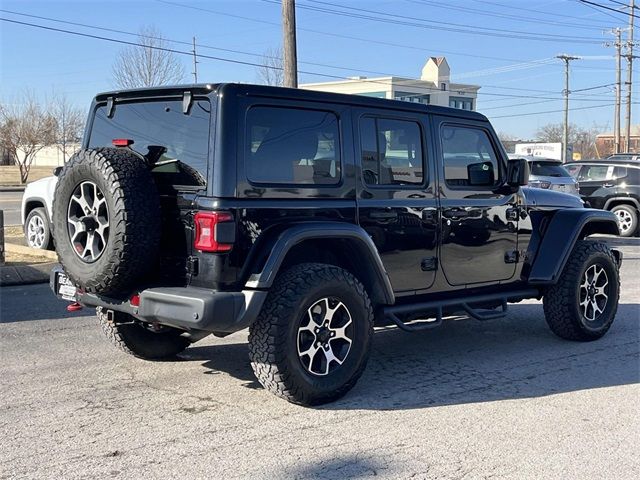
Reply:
x=611, y=185
x=549, y=174
x=36, y=210
x=634, y=157
x=309, y=217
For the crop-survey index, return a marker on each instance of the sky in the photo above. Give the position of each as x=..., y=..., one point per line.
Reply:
x=521, y=80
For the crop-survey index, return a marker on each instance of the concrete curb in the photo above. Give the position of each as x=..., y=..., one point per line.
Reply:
x=25, y=274
x=34, y=252
x=12, y=188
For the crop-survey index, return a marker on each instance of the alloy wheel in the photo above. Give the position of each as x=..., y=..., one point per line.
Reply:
x=325, y=336
x=36, y=232
x=88, y=221
x=593, y=292
x=625, y=221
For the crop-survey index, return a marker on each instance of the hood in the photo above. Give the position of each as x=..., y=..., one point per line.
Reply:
x=548, y=198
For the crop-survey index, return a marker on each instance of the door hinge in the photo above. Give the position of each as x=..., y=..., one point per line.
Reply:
x=512, y=256
x=429, y=264
x=513, y=214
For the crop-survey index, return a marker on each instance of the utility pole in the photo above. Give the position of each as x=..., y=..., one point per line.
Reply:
x=616, y=118
x=290, y=50
x=627, y=139
x=195, y=62
x=565, y=132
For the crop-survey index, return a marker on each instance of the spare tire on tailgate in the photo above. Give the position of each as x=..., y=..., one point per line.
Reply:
x=106, y=219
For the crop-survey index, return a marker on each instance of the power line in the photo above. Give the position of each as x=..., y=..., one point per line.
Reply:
x=383, y=17
x=338, y=35
x=554, y=111
x=587, y=2
x=508, y=16
x=521, y=9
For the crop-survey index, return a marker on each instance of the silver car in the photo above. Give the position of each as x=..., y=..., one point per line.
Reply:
x=549, y=174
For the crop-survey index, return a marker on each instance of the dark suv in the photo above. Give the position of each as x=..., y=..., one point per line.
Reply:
x=310, y=218
x=611, y=185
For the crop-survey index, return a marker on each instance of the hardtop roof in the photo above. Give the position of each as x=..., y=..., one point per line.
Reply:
x=289, y=93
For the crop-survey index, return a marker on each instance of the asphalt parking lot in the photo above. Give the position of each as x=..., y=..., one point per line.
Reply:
x=500, y=399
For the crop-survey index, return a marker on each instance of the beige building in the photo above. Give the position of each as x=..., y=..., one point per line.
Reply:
x=433, y=87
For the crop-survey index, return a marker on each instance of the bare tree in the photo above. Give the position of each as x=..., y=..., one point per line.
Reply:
x=582, y=139
x=147, y=65
x=272, y=70
x=26, y=128
x=69, y=124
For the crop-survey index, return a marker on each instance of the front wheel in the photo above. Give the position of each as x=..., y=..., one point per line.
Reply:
x=583, y=304
x=311, y=341
x=136, y=339
x=37, y=231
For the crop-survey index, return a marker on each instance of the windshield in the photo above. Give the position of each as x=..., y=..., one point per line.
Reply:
x=548, y=169
x=178, y=143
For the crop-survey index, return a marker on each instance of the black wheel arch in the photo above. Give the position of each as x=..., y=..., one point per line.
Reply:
x=564, y=229
x=342, y=244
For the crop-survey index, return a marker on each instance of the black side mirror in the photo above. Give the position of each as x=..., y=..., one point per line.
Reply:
x=480, y=174
x=517, y=172
x=56, y=171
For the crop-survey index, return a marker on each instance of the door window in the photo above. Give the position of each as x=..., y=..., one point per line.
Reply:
x=469, y=158
x=391, y=152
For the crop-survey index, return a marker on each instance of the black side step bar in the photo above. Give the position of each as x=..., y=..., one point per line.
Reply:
x=392, y=312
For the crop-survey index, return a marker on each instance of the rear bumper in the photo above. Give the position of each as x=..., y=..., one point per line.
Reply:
x=188, y=308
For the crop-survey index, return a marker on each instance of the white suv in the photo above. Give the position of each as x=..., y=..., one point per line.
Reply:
x=36, y=211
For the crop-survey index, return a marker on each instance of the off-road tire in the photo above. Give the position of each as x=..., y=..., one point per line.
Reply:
x=273, y=336
x=561, y=302
x=47, y=243
x=133, y=338
x=134, y=216
x=633, y=214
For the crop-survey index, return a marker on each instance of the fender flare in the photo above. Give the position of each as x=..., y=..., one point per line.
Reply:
x=565, y=229
x=626, y=200
x=294, y=235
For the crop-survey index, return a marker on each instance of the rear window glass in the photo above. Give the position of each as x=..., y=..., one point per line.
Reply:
x=548, y=169
x=292, y=146
x=181, y=141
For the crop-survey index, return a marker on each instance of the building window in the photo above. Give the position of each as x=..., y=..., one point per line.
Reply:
x=461, y=102
x=374, y=94
x=443, y=87
x=411, y=97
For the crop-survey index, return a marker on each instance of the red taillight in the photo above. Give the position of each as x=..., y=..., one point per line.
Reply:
x=135, y=300
x=206, y=237
x=122, y=142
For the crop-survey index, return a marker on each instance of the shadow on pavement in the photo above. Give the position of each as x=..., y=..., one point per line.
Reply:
x=467, y=361
x=24, y=303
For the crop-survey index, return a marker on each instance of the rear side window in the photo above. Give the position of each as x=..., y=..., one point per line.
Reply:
x=469, y=157
x=391, y=151
x=594, y=173
x=573, y=170
x=548, y=169
x=181, y=141
x=292, y=146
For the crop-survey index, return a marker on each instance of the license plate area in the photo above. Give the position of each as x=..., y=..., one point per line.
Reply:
x=64, y=288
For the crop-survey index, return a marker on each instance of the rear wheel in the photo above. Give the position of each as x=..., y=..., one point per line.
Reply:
x=311, y=341
x=627, y=219
x=140, y=340
x=583, y=304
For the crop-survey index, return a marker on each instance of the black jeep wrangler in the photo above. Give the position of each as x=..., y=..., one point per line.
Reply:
x=310, y=218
